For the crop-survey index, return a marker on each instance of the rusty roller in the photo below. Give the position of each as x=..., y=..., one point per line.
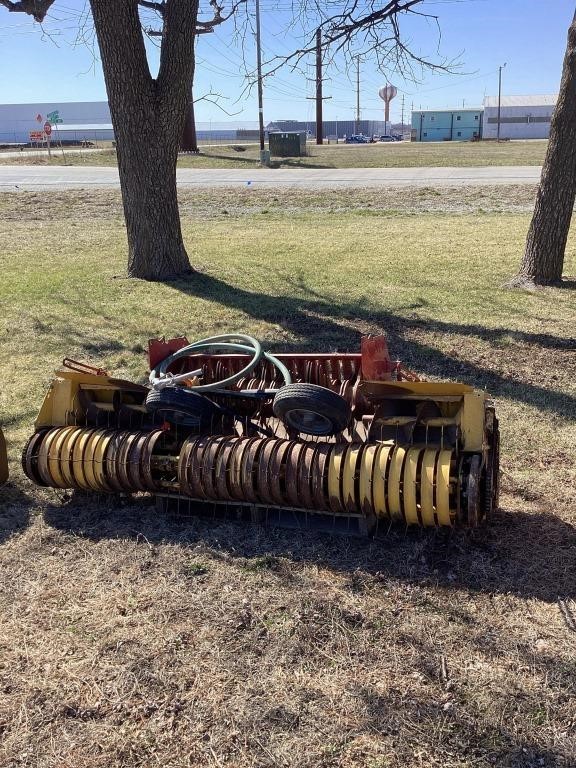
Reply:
x=418, y=486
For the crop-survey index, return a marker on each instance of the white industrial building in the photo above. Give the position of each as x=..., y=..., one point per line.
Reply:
x=521, y=117
x=81, y=120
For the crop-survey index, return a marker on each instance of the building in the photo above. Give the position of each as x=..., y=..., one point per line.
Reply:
x=85, y=120
x=332, y=128
x=521, y=117
x=446, y=124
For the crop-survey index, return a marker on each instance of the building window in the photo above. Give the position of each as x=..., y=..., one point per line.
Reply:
x=431, y=118
x=457, y=117
x=459, y=133
x=475, y=117
x=425, y=134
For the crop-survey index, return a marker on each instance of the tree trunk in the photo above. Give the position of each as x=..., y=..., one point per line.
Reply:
x=148, y=116
x=189, y=141
x=546, y=243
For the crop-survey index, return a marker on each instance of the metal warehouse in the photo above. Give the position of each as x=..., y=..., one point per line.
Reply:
x=446, y=124
x=521, y=117
x=81, y=120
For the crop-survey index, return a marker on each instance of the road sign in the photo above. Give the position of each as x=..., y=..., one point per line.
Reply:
x=36, y=136
x=47, y=128
x=39, y=118
x=54, y=117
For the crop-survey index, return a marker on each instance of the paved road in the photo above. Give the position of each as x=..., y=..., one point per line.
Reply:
x=74, y=177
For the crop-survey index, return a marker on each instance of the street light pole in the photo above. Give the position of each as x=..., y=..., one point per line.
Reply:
x=499, y=98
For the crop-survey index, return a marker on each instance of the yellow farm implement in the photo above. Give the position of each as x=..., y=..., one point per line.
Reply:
x=351, y=439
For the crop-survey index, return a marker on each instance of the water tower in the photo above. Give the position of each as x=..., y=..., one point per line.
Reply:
x=387, y=93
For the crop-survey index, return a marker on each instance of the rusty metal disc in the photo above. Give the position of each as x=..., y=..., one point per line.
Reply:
x=222, y=471
x=249, y=467
x=235, y=462
x=111, y=460
x=292, y=469
x=134, y=462
x=305, y=475
x=146, y=460
x=351, y=477
x=277, y=469
x=122, y=461
x=193, y=475
x=30, y=457
x=78, y=459
x=263, y=485
x=88, y=459
x=320, y=476
x=183, y=460
x=44, y=455
x=208, y=470
x=65, y=456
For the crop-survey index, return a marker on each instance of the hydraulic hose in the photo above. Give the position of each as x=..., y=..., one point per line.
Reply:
x=235, y=342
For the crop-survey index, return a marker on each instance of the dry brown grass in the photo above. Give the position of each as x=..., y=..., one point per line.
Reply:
x=133, y=640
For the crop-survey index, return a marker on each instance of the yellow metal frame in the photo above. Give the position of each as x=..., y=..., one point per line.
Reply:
x=61, y=406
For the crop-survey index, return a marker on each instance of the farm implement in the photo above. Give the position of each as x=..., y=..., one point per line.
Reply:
x=350, y=441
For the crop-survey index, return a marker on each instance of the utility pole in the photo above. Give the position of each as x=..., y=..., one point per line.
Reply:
x=263, y=156
x=402, y=118
x=499, y=98
x=319, y=98
x=357, y=94
x=319, y=124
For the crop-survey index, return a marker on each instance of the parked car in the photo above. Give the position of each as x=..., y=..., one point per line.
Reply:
x=390, y=137
x=357, y=139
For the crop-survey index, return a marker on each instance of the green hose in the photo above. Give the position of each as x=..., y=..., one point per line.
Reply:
x=160, y=377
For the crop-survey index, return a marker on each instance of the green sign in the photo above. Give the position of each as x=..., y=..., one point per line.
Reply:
x=54, y=117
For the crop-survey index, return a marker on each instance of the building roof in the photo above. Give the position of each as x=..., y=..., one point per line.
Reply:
x=447, y=109
x=522, y=101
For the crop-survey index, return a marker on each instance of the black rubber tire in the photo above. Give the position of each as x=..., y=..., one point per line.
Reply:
x=293, y=399
x=178, y=406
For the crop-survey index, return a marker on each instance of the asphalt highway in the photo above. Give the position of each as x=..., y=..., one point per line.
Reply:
x=30, y=177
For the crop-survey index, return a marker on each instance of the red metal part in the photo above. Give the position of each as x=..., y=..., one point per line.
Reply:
x=159, y=349
x=376, y=363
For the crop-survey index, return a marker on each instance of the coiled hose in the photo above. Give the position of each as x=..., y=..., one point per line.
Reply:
x=231, y=343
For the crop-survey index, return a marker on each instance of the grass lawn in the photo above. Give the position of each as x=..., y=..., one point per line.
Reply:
x=392, y=155
x=131, y=640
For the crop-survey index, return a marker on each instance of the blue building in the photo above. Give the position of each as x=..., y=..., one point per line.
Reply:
x=446, y=124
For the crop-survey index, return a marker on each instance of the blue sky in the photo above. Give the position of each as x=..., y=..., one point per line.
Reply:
x=40, y=64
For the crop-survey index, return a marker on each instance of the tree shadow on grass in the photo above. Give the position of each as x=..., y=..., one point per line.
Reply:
x=531, y=555
x=325, y=326
x=15, y=507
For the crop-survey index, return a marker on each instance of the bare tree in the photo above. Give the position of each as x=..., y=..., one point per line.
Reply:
x=543, y=259
x=148, y=113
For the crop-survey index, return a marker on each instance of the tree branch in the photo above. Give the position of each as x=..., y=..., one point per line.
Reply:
x=35, y=8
